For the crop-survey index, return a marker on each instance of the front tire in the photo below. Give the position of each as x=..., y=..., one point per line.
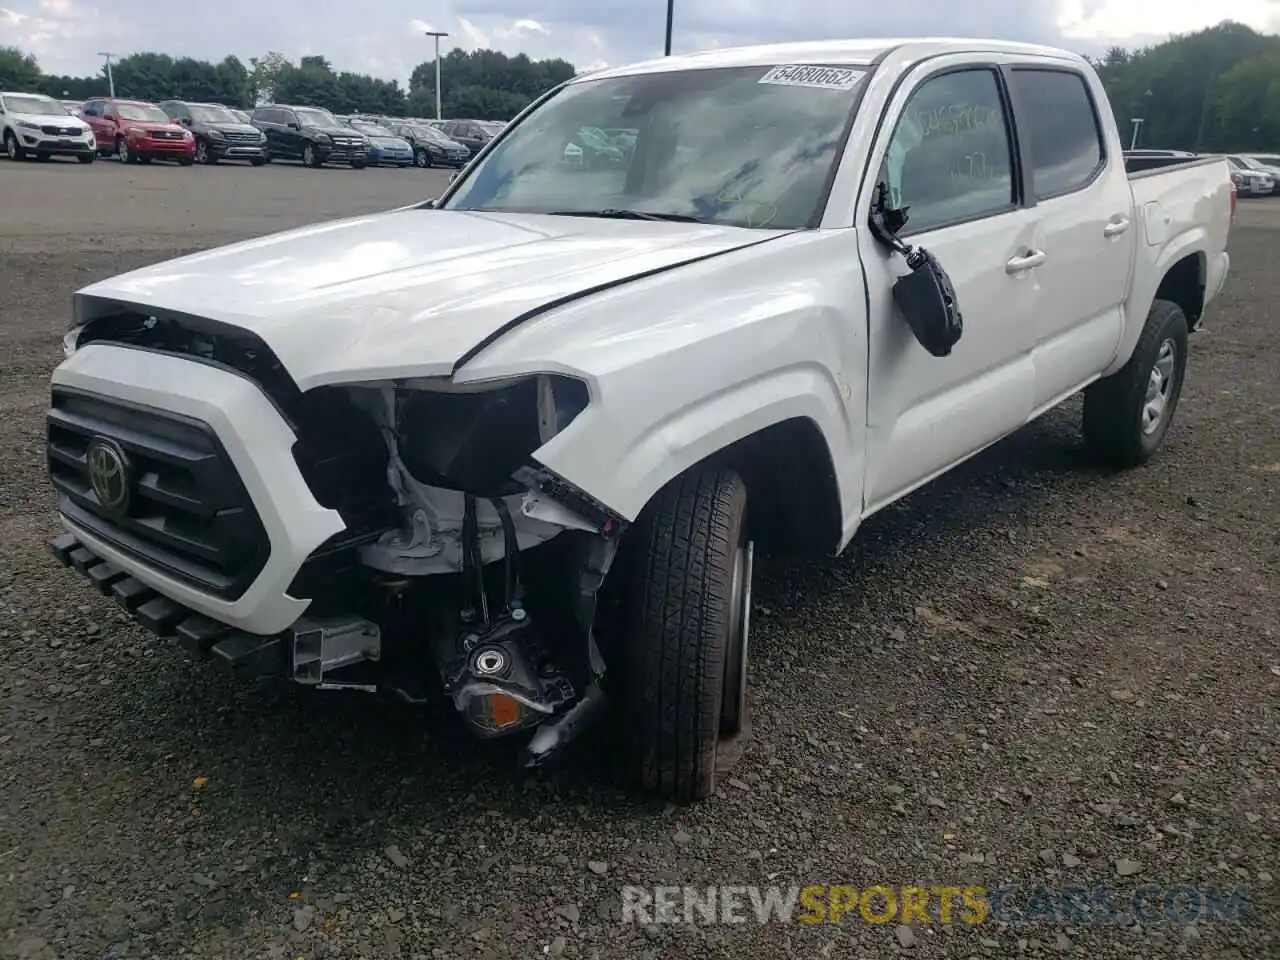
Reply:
x=87, y=157
x=422, y=159
x=1128, y=414
x=204, y=154
x=12, y=147
x=123, y=153
x=309, y=158
x=686, y=633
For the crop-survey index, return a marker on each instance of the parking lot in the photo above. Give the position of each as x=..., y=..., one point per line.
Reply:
x=1031, y=672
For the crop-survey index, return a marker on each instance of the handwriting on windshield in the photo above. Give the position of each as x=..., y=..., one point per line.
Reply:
x=957, y=118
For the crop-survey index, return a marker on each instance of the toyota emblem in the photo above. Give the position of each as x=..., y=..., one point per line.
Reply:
x=109, y=475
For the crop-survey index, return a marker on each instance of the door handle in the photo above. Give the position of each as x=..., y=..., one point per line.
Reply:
x=1115, y=227
x=1026, y=262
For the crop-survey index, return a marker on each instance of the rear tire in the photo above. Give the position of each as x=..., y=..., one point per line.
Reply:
x=683, y=607
x=1128, y=414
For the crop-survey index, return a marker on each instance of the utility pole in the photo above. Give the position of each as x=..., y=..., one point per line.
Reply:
x=437, y=34
x=671, y=15
x=1137, y=125
x=111, y=83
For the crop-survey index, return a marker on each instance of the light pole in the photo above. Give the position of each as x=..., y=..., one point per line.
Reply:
x=437, y=34
x=1137, y=125
x=671, y=15
x=111, y=83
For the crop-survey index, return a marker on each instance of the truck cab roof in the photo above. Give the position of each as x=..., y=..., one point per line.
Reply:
x=851, y=52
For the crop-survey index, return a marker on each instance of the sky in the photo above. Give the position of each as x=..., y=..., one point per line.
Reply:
x=385, y=38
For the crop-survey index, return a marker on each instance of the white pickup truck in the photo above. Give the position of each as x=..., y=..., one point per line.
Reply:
x=515, y=444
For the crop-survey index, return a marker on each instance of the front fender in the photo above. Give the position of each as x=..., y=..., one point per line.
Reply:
x=682, y=364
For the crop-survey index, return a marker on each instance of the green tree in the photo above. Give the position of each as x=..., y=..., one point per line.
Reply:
x=1180, y=88
x=18, y=70
x=483, y=84
x=264, y=72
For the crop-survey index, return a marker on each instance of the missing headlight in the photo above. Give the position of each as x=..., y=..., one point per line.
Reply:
x=474, y=439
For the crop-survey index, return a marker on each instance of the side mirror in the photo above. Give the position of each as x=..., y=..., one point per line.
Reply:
x=293, y=126
x=185, y=121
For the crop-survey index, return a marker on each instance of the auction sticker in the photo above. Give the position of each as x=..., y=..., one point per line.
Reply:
x=826, y=78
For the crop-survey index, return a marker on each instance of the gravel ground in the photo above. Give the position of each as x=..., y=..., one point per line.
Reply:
x=1030, y=672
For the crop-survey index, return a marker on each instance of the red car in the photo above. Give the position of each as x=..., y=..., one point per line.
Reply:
x=138, y=132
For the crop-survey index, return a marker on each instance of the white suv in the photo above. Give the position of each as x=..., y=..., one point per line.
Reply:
x=32, y=124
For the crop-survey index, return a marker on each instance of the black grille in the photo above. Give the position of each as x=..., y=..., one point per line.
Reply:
x=60, y=131
x=190, y=516
x=237, y=136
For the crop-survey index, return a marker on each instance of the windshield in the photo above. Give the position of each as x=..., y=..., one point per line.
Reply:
x=240, y=115
x=1267, y=160
x=431, y=133
x=311, y=117
x=745, y=146
x=372, y=129
x=142, y=111
x=211, y=114
x=33, y=104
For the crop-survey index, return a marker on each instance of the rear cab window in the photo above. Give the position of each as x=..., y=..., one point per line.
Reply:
x=1059, y=121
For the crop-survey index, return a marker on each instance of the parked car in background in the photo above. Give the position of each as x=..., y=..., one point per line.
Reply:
x=1268, y=165
x=1250, y=182
x=219, y=135
x=431, y=148
x=33, y=125
x=386, y=149
x=138, y=132
x=472, y=134
x=310, y=134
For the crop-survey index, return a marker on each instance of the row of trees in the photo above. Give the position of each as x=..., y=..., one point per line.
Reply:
x=1218, y=89
x=480, y=85
x=1214, y=90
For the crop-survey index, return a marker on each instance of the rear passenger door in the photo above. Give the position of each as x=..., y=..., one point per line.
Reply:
x=1077, y=178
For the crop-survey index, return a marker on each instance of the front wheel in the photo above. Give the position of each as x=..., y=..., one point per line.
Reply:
x=309, y=157
x=1128, y=414
x=123, y=152
x=204, y=154
x=358, y=166
x=12, y=148
x=87, y=157
x=422, y=159
x=185, y=161
x=686, y=633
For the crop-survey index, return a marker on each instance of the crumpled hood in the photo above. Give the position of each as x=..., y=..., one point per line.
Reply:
x=406, y=293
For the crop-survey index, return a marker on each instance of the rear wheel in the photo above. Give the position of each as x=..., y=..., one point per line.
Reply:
x=1128, y=414
x=686, y=633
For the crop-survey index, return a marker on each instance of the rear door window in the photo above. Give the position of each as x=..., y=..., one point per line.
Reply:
x=1057, y=116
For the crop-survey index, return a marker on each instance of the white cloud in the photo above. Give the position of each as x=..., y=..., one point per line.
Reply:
x=386, y=38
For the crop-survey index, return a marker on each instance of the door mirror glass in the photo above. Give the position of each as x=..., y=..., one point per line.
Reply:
x=292, y=125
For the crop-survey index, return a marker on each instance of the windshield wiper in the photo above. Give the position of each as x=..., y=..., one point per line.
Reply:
x=614, y=213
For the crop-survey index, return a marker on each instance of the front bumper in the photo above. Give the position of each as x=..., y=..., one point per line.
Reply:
x=400, y=158
x=341, y=153
x=258, y=444
x=232, y=150
x=153, y=147
x=37, y=141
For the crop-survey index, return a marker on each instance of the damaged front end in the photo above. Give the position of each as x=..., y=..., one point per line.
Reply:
x=463, y=565
x=495, y=566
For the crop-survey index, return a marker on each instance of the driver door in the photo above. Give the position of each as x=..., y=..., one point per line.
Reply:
x=949, y=159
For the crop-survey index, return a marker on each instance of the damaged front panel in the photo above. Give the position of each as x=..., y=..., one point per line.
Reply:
x=462, y=558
